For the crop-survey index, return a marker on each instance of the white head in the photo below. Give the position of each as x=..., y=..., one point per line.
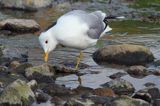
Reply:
x=48, y=43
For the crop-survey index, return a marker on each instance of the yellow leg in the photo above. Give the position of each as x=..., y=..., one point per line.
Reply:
x=79, y=59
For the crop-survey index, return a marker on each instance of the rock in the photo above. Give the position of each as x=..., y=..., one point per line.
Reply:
x=99, y=100
x=149, y=84
x=43, y=73
x=7, y=77
x=149, y=94
x=14, y=64
x=57, y=90
x=33, y=84
x=156, y=102
x=14, y=54
x=58, y=101
x=120, y=86
x=137, y=71
x=117, y=75
x=20, y=69
x=144, y=96
x=124, y=54
x=29, y=5
x=68, y=67
x=128, y=101
x=82, y=90
x=156, y=72
x=104, y=92
x=42, y=97
x=17, y=93
x=79, y=102
x=20, y=25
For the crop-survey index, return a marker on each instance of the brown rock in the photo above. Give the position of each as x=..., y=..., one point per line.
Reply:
x=19, y=25
x=124, y=54
x=104, y=92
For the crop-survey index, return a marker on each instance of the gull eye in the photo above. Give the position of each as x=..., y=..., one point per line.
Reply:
x=46, y=41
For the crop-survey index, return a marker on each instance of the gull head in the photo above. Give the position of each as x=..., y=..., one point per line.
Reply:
x=48, y=43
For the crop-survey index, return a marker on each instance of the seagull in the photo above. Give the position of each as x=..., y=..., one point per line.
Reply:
x=76, y=29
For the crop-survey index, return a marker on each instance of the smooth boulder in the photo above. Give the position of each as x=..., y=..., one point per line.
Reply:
x=17, y=93
x=123, y=54
x=30, y=5
x=20, y=25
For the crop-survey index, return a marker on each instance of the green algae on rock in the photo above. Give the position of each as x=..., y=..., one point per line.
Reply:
x=42, y=73
x=17, y=93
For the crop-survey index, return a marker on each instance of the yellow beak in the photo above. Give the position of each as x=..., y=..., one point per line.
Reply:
x=46, y=56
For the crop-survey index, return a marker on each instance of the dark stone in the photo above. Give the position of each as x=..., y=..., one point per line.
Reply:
x=117, y=75
x=57, y=90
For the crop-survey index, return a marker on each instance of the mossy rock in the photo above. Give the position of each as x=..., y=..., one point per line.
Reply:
x=17, y=93
x=43, y=73
x=123, y=54
x=120, y=86
x=128, y=101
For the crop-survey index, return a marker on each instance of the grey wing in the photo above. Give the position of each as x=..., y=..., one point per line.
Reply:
x=96, y=25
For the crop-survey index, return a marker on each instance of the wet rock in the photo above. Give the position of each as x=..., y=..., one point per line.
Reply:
x=124, y=54
x=100, y=100
x=117, y=75
x=14, y=54
x=68, y=67
x=137, y=71
x=20, y=25
x=17, y=93
x=20, y=69
x=149, y=84
x=43, y=73
x=156, y=72
x=14, y=64
x=42, y=97
x=57, y=90
x=128, y=101
x=58, y=101
x=120, y=86
x=33, y=84
x=64, y=69
x=79, y=102
x=82, y=90
x=156, y=102
x=104, y=92
x=148, y=94
x=7, y=77
x=29, y=5
x=144, y=96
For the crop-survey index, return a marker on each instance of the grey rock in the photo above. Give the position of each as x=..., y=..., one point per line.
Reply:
x=20, y=25
x=128, y=101
x=43, y=73
x=124, y=54
x=120, y=86
x=30, y=5
x=17, y=93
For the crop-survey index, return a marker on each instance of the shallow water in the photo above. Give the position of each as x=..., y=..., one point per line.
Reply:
x=95, y=75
